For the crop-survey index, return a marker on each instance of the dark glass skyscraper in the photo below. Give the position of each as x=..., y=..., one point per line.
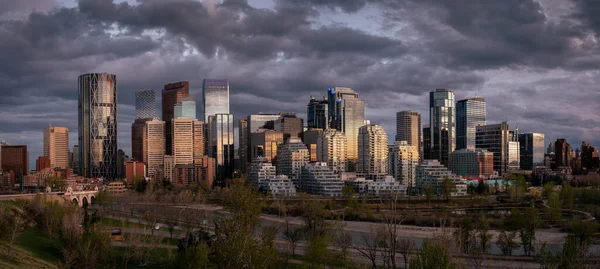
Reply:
x=347, y=114
x=221, y=145
x=442, y=123
x=317, y=114
x=215, y=97
x=172, y=94
x=98, y=125
x=145, y=105
x=532, y=150
x=470, y=113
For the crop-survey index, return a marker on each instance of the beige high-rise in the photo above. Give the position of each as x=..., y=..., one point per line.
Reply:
x=199, y=140
x=372, y=150
x=154, y=146
x=403, y=161
x=56, y=146
x=331, y=149
x=183, y=140
x=408, y=128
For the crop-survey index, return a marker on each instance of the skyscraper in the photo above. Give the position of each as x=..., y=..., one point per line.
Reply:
x=255, y=122
x=15, y=158
x=408, y=128
x=75, y=159
x=56, y=146
x=442, y=122
x=137, y=139
x=185, y=108
x=532, y=150
x=495, y=138
x=589, y=156
x=347, y=114
x=310, y=139
x=289, y=125
x=183, y=140
x=172, y=94
x=331, y=149
x=215, y=96
x=426, y=142
x=145, y=105
x=563, y=150
x=154, y=146
x=372, y=150
x=317, y=114
x=98, y=125
x=470, y=113
x=243, y=143
x=264, y=143
x=199, y=141
x=403, y=159
x=221, y=145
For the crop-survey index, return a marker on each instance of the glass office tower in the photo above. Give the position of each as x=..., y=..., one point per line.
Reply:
x=317, y=114
x=470, y=113
x=347, y=114
x=215, y=97
x=532, y=150
x=186, y=108
x=221, y=145
x=98, y=125
x=442, y=123
x=145, y=105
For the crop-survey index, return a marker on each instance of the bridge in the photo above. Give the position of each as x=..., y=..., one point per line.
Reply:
x=80, y=198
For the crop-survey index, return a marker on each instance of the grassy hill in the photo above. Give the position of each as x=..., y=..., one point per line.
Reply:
x=32, y=250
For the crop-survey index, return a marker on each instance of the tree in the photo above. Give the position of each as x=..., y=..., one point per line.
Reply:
x=293, y=236
x=465, y=236
x=554, y=206
x=527, y=222
x=507, y=243
x=481, y=188
x=448, y=187
x=56, y=183
x=432, y=256
x=484, y=237
x=567, y=195
x=369, y=248
x=13, y=221
x=314, y=216
x=317, y=254
x=405, y=248
x=428, y=190
x=140, y=184
x=343, y=241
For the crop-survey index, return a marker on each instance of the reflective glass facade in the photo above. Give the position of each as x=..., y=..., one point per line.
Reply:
x=347, y=114
x=145, y=105
x=317, y=114
x=98, y=125
x=532, y=150
x=172, y=94
x=186, y=108
x=215, y=96
x=221, y=145
x=442, y=123
x=470, y=113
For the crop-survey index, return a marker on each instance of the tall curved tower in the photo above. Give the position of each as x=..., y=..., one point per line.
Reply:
x=98, y=125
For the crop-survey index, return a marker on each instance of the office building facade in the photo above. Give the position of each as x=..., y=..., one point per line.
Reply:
x=145, y=105
x=372, y=150
x=291, y=157
x=98, y=125
x=290, y=125
x=347, y=114
x=310, y=139
x=331, y=149
x=317, y=114
x=172, y=94
x=56, y=146
x=408, y=128
x=494, y=138
x=563, y=153
x=264, y=143
x=215, y=97
x=243, y=143
x=154, y=146
x=532, y=150
x=472, y=163
x=222, y=145
x=442, y=118
x=470, y=113
x=185, y=108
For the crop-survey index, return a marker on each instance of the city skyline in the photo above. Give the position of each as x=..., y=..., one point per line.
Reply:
x=519, y=94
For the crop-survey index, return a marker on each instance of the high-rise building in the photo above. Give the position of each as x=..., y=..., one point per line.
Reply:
x=317, y=115
x=495, y=138
x=154, y=146
x=562, y=151
x=185, y=108
x=473, y=163
x=199, y=141
x=138, y=129
x=408, y=128
x=426, y=142
x=514, y=156
x=532, y=150
x=145, y=105
x=215, y=96
x=222, y=145
x=254, y=123
x=331, y=149
x=442, y=123
x=347, y=114
x=42, y=163
x=470, y=113
x=372, y=150
x=75, y=159
x=172, y=94
x=56, y=146
x=402, y=162
x=264, y=143
x=289, y=125
x=310, y=139
x=183, y=140
x=291, y=157
x=98, y=125
x=551, y=147
x=589, y=156
x=318, y=179
x=243, y=143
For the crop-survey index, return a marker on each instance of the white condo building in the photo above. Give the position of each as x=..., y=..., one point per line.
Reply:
x=291, y=157
x=403, y=162
x=372, y=150
x=318, y=179
x=331, y=149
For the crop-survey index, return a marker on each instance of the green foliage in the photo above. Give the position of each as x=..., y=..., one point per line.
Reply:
x=317, y=254
x=448, y=187
x=432, y=256
x=548, y=189
x=465, y=236
x=554, y=206
x=567, y=196
x=314, y=215
x=428, y=190
x=347, y=191
x=507, y=242
x=56, y=183
x=526, y=222
x=516, y=192
x=140, y=184
x=484, y=237
x=482, y=188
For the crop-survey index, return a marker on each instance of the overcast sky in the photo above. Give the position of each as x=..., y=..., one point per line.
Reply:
x=536, y=62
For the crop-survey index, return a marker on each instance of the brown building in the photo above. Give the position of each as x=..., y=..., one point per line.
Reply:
x=589, y=156
x=563, y=153
x=172, y=94
x=289, y=125
x=199, y=140
x=16, y=159
x=133, y=170
x=154, y=146
x=264, y=143
x=310, y=139
x=202, y=171
x=42, y=163
x=7, y=179
x=138, y=129
x=56, y=146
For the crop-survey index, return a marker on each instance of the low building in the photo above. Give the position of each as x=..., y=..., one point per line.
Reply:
x=472, y=163
x=203, y=171
x=134, y=170
x=278, y=186
x=116, y=187
x=318, y=179
x=434, y=173
x=384, y=186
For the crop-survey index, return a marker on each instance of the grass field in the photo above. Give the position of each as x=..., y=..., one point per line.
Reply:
x=33, y=249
